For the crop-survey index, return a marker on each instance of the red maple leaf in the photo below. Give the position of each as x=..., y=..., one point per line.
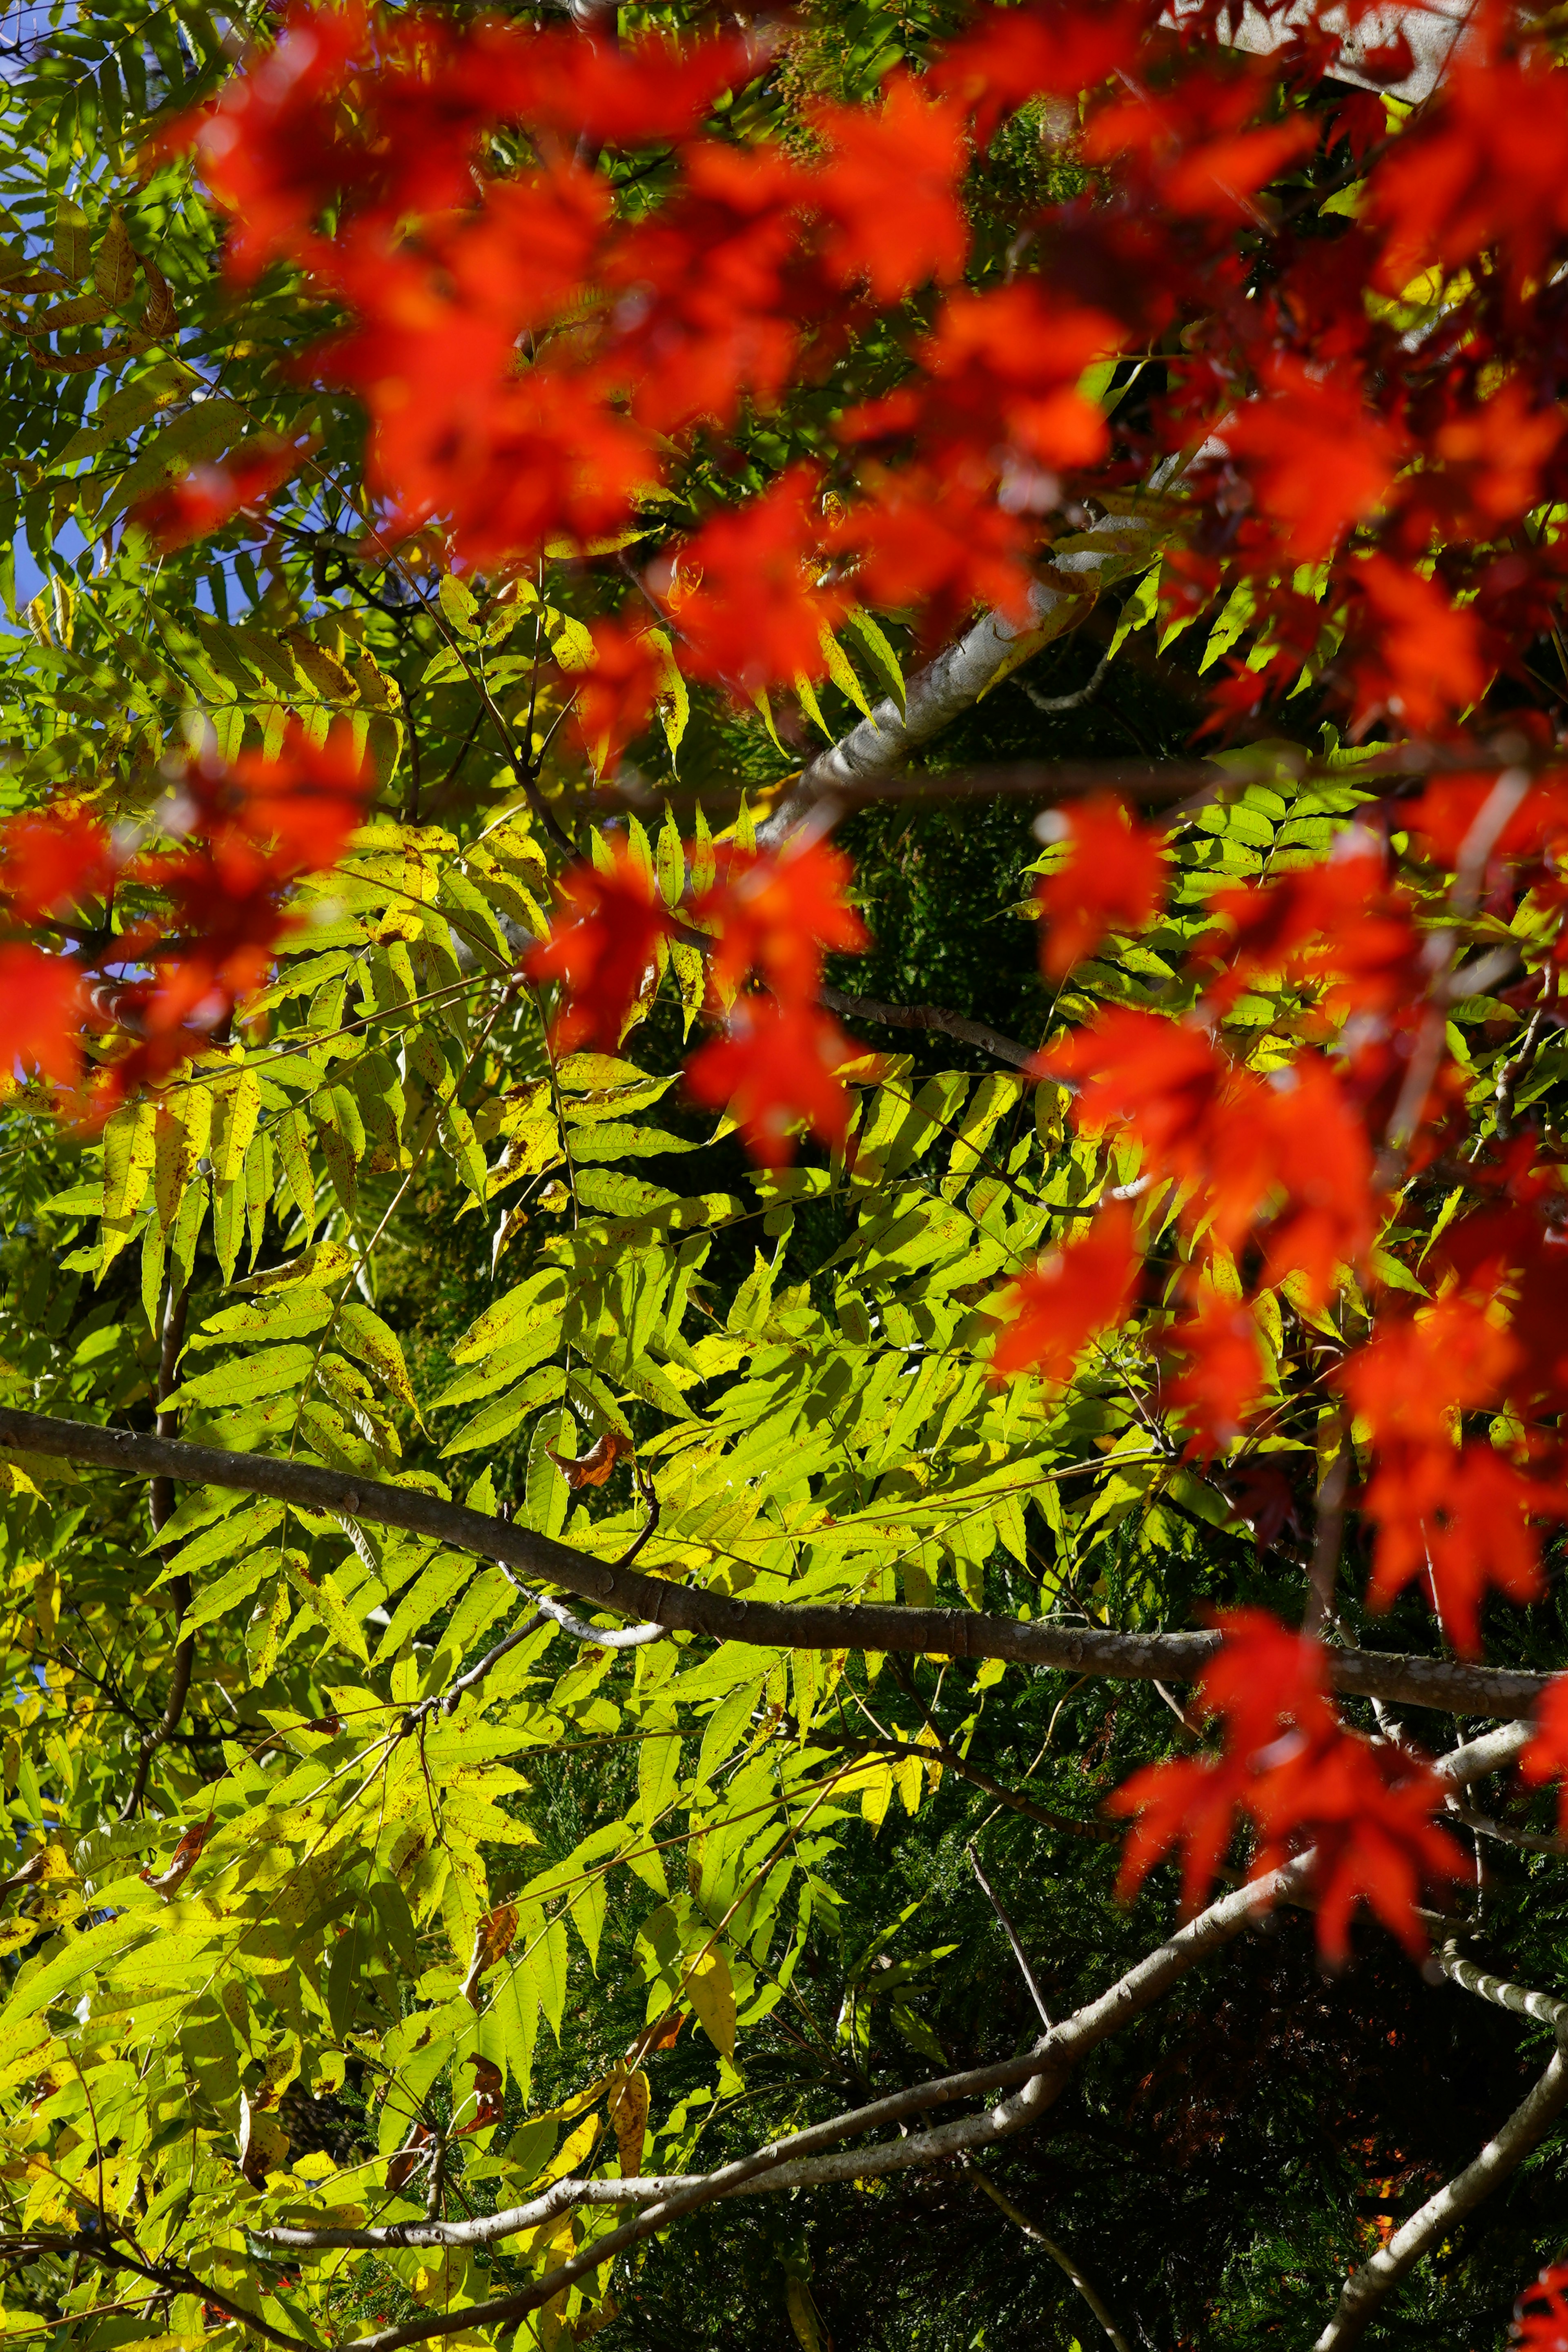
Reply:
x=1462, y=1515
x=1288, y=1148
x=602, y=946
x=1048, y=47
x=909, y=145
x=1492, y=457
x=707, y=306
x=1445, y=812
x=207, y=497
x=1459, y=1514
x=1337, y=923
x=1318, y=455
x=1112, y=880
x=1000, y=391
x=41, y=1011
x=773, y=1069
x=1483, y=169
x=276, y=147
x=1541, y=2314
x=52, y=861
x=940, y=543
x=1546, y=1758
x=1161, y=1078
x=748, y=589
x=298, y=803
x=1070, y=1296
x=1365, y=1812
x=1224, y=1374
x=775, y=916
x=1422, y=654
x=613, y=95
x=612, y=701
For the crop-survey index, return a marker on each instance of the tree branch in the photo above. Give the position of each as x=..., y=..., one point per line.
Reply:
x=795, y=2162
x=1059, y=2254
x=928, y=1017
x=1435, y=2220
x=1439, y=1684
x=879, y=746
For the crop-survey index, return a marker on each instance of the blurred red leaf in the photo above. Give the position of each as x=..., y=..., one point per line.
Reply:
x=1112, y=880
x=600, y=948
x=773, y=1070
x=1070, y=1296
x=775, y=917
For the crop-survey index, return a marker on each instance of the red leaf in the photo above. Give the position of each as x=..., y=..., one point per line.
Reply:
x=1225, y=1375
x=1306, y=1782
x=601, y=947
x=1070, y=1296
x=40, y=1013
x=1000, y=393
x=1483, y=168
x=1337, y=924
x=773, y=1069
x=1460, y=1513
x=53, y=861
x=705, y=312
x=774, y=917
x=1161, y=1078
x=652, y=89
x=1318, y=457
x=1288, y=1144
x=1423, y=655
x=1493, y=456
x=1446, y=809
x=207, y=498
x=615, y=699
x=941, y=543
x=747, y=593
x=1048, y=47
x=909, y=146
x=1112, y=879
x=1546, y=1758
x=1541, y=2314
x=298, y=803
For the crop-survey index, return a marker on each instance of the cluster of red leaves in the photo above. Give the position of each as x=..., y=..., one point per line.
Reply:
x=769, y=917
x=1328, y=432
x=209, y=911
x=1290, y=1767
x=1541, y=2314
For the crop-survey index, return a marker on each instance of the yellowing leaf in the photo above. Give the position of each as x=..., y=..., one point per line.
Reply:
x=712, y=1996
x=628, y=2115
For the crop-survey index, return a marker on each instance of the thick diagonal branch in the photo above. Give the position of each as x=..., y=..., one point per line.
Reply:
x=1441, y=1684
x=1501, y=2156
x=798, y=2161
x=955, y=681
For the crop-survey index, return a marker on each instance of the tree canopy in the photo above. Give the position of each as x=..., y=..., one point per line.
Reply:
x=782, y=1333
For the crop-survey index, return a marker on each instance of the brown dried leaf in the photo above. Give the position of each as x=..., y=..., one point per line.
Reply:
x=593, y=1468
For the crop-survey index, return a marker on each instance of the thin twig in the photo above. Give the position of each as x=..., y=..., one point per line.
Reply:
x=1058, y=2253
x=1019, y=1954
